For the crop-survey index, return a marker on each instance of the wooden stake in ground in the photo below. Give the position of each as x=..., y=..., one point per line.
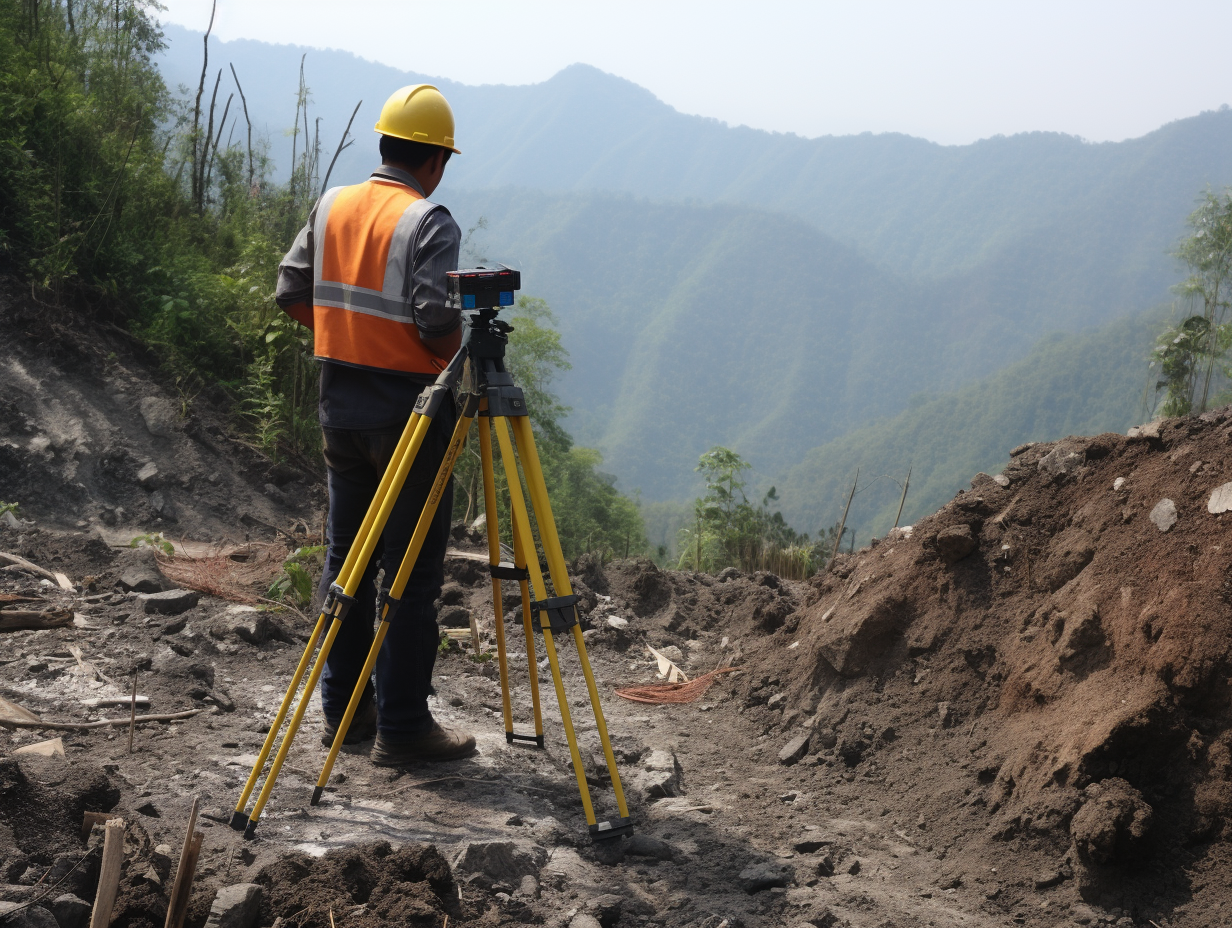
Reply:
x=177, y=907
x=109, y=874
x=838, y=542
x=132, y=718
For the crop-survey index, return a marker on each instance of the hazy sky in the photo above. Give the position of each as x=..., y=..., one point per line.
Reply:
x=952, y=72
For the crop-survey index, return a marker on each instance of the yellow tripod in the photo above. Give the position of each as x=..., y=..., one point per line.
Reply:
x=499, y=404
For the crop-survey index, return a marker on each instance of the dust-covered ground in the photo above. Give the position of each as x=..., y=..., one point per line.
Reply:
x=1014, y=713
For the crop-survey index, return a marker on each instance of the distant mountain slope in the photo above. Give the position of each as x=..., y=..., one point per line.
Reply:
x=691, y=326
x=922, y=209
x=1068, y=385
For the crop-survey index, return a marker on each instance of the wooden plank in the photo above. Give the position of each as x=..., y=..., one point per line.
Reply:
x=52, y=748
x=177, y=906
x=18, y=620
x=109, y=874
x=21, y=562
x=90, y=820
x=12, y=715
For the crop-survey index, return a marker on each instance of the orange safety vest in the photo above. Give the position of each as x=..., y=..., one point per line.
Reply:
x=362, y=312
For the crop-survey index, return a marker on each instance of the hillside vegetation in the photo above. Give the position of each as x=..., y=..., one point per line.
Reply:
x=1068, y=385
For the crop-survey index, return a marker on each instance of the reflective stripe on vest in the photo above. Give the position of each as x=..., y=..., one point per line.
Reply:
x=363, y=314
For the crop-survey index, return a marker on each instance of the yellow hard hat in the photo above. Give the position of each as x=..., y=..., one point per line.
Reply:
x=418, y=113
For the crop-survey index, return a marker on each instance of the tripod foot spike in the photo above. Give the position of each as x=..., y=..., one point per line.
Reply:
x=316, y=795
x=617, y=828
x=239, y=821
x=250, y=830
x=511, y=738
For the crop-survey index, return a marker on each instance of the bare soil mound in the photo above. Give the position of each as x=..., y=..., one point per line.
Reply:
x=1040, y=669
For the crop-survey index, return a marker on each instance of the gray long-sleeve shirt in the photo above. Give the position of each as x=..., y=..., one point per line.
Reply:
x=364, y=398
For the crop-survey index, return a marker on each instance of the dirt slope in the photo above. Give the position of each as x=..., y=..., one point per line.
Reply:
x=1036, y=679
x=92, y=434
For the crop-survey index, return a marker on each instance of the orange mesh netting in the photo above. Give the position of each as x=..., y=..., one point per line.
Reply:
x=665, y=693
x=241, y=575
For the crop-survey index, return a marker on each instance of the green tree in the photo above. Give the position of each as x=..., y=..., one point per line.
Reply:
x=1193, y=355
x=728, y=530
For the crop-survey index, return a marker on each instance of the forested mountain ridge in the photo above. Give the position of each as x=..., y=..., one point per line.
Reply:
x=720, y=285
x=1079, y=384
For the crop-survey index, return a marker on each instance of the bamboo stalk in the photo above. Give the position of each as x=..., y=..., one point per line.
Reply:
x=906, y=483
x=838, y=542
x=177, y=906
x=109, y=875
x=132, y=717
x=102, y=723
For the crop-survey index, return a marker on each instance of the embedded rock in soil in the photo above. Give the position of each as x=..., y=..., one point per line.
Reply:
x=247, y=624
x=855, y=634
x=755, y=878
x=71, y=911
x=501, y=861
x=643, y=845
x=1112, y=823
x=1070, y=552
x=169, y=602
x=33, y=916
x=659, y=775
x=1164, y=514
x=955, y=543
x=235, y=906
x=1221, y=499
x=794, y=749
x=1060, y=461
x=160, y=416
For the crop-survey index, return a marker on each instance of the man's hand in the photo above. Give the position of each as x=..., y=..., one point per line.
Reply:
x=446, y=346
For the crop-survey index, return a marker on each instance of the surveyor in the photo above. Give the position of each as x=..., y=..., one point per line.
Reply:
x=367, y=275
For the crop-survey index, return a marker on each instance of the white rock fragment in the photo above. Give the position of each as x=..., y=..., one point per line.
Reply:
x=616, y=621
x=1001, y=480
x=1164, y=514
x=1221, y=500
x=1118, y=483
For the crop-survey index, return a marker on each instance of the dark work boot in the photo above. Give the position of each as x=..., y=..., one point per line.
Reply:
x=439, y=744
x=362, y=727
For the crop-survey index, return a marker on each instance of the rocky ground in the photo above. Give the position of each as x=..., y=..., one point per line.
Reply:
x=1015, y=713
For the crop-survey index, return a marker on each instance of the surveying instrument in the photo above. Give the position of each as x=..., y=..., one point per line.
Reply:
x=498, y=403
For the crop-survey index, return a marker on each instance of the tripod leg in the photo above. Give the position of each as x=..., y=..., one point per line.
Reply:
x=393, y=598
x=346, y=583
x=494, y=558
x=521, y=525
x=560, y=583
x=238, y=819
x=343, y=594
x=519, y=558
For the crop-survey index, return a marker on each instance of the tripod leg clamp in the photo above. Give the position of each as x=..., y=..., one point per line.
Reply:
x=428, y=403
x=562, y=613
x=504, y=571
x=385, y=600
x=337, y=603
x=616, y=828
